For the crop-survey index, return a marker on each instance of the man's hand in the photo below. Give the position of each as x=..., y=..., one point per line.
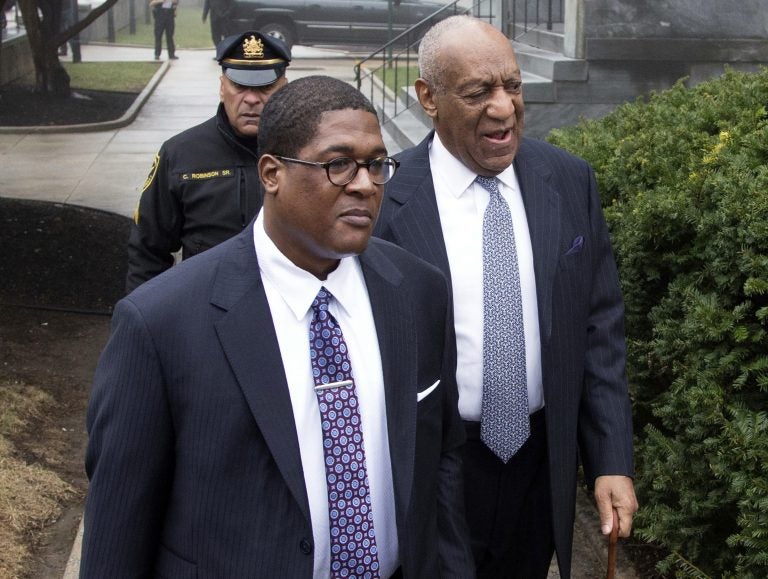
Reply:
x=615, y=492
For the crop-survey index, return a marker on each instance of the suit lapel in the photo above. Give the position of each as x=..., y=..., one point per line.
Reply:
x=248, y=338
x=416, y=224
x=238, y=289
x=397, y=345
x=542, y=209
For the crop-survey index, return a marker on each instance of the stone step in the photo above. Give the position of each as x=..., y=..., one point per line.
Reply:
x=406, y=130
x=549, y=64
x=539, y=89
x=551, y=40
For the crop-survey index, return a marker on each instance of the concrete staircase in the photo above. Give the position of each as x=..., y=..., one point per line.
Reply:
x=541, y=52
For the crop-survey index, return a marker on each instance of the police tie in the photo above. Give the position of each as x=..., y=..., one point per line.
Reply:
x=504, y=422
x=353, y=541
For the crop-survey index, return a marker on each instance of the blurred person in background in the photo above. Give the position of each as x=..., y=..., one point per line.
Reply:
x=164, y=14
x=219, y=13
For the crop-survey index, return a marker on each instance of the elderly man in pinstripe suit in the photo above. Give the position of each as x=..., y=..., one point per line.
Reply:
x=540, y=360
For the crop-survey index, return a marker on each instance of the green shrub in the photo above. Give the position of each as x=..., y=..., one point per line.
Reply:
x=684, y=179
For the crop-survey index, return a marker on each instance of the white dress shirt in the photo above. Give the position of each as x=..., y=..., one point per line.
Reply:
x=461, y=203
x=290, y=292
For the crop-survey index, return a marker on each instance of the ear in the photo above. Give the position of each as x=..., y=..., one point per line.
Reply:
x=426, y=97
x=269, y=170
x=221, y=88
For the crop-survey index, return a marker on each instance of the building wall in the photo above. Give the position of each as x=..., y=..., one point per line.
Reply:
x=99, y=29
x=701, y=33
x=635, y=47
x=16, y=58
x=702, y=19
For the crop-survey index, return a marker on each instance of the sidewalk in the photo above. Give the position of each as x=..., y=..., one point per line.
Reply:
x=105, y=169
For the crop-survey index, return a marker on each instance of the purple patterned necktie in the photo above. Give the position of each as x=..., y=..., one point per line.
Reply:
x=353, y=541
x=504, y=420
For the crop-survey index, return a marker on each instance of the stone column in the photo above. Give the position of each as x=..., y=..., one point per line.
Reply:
x=573, y=42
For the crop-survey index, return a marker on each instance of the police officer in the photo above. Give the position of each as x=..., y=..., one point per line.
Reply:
x=203, y=186
x=221, y=24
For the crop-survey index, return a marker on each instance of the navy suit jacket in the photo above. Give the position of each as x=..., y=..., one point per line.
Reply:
x=193, y=456
x=581, y=312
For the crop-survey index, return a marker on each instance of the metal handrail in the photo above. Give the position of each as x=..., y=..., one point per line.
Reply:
x=554, y=13
x=389, y=105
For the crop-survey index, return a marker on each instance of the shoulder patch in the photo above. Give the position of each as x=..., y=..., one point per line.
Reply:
x=152, y=172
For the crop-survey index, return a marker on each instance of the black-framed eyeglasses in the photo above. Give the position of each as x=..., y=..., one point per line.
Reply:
x=343, y=170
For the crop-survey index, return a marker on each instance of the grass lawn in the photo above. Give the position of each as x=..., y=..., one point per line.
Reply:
x=191, y=31
x=30, y=494
x=397, y=77
x=106, y=76
x=111, y=76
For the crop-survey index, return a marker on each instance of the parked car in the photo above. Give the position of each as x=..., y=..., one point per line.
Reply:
x=331, y=21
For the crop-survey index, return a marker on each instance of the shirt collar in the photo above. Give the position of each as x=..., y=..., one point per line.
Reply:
x=456, y=176
x=297, y=287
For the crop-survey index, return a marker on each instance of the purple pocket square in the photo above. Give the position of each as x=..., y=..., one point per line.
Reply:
x=576, y=245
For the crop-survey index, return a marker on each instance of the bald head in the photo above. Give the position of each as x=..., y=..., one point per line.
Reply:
x=471, y=88
x=438, y=41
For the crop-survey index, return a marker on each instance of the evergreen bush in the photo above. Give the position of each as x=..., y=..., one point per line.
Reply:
x=684, y=180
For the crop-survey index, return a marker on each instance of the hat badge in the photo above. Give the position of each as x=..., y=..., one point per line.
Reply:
x=253, y=47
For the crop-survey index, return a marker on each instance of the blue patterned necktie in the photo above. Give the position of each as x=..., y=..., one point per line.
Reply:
x=504, y=422
x=353, y=541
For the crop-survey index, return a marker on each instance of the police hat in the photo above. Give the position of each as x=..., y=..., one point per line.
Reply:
x=252, y=58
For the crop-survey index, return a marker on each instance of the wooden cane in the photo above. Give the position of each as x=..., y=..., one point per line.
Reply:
x=613, y=540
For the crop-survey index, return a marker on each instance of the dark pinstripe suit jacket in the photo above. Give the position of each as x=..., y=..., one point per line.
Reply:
x=580, y=308
x=193, y=456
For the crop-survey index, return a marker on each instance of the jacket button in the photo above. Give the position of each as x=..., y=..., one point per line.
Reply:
x=306, y=546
